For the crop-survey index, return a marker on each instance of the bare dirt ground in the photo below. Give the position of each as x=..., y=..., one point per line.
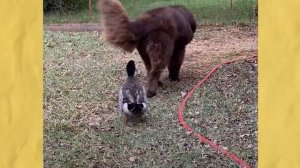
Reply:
x=210, y=40
x=73, y=27
x=213, y=45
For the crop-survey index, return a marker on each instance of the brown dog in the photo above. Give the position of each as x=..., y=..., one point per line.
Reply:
x=160, y=36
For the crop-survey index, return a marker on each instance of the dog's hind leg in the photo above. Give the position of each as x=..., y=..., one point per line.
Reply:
x=176, y=62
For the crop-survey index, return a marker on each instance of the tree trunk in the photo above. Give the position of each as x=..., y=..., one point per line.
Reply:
x=90, y=8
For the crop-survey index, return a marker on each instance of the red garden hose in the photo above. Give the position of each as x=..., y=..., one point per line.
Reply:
x=201, y=137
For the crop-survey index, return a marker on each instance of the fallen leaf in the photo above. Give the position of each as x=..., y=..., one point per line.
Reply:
x=189, y=133
x=183, y=93
x=132, y=158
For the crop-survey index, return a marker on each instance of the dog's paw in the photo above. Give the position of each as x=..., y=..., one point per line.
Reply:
x=151, y=94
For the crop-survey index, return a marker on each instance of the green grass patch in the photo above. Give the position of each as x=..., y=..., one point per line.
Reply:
x=71, y=17
x=225, y=108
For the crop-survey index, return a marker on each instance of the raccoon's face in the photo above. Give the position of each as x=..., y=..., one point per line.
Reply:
x=134, y=109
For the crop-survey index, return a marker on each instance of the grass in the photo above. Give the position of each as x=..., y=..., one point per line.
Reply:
x=82, y=127
x=206, y=11
x=228, y=101
x=70, y=17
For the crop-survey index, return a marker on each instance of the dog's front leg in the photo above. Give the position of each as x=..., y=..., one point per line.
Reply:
x=153, y=79
x=145, y=58
x=159, y=50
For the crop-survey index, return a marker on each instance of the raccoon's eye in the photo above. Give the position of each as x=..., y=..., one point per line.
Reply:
x=141, y=106
x=131, y=106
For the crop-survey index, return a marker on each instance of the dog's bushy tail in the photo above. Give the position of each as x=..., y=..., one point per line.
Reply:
x=116, y=24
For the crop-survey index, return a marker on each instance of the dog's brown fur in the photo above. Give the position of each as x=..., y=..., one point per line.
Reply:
x=160, y=36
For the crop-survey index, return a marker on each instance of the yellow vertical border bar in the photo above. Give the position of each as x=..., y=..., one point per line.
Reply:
x=279, y=84
x=21, y=84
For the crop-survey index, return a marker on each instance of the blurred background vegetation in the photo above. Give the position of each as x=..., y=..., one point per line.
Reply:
x=206, y=11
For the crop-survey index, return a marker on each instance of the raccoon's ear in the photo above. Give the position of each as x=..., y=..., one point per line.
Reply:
x=141, y=97
x=138, y=99
x=144, y=94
